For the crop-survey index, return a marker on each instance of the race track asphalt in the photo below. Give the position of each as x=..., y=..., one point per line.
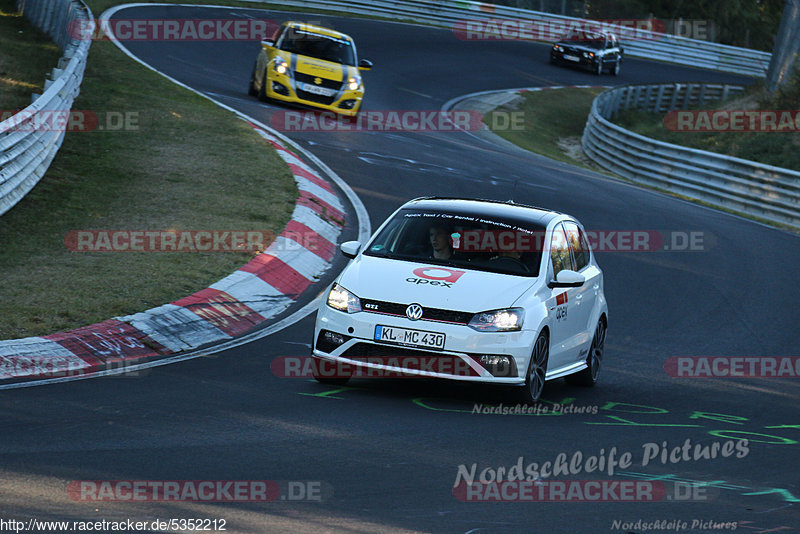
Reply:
x=389, y=450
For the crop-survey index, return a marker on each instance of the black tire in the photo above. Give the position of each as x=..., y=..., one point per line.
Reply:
x=262, y=91
x=617, y=67
x=531, y=392
x=330, y=373
x=251, y=90
x=594, y=360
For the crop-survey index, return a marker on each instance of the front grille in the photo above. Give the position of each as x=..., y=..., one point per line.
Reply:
x=324, y=82
x=428, y=314
x=319, y=99
x=408, y=358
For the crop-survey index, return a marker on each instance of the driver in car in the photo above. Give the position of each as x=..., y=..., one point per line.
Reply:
x=440, y=242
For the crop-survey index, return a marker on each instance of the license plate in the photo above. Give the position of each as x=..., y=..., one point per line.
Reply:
x=571, y=58
x=407, y=336
x=324, y=91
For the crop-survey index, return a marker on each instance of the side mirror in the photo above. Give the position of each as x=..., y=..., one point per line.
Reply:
x=266, y=43
x=350, y=249
x=567, y=278
x=364, y=64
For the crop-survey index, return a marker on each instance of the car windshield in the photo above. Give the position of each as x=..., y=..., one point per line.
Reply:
x=469, y=241
x=318, y=46
x=591, y=40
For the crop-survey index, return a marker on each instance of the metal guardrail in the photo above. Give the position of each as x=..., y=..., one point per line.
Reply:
x=28, y=140
x=649, y=45
x=27, y=150
x=764, y=191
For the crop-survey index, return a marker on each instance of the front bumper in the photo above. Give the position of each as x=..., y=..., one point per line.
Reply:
x=583, y=62
x=344, y=101
x=459, y=360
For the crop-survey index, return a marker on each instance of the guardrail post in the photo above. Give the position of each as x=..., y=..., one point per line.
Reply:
x=702, y=97
x=687, y=97
x=615, y=106
x=659, y=96
x=648, y=97
x=628, y=94
x=675, y=90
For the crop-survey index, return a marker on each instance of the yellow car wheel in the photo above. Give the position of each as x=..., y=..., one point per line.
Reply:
x=262, y=91
x=251, y=90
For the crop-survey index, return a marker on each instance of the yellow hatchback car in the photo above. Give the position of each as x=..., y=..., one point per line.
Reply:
x=312, y=66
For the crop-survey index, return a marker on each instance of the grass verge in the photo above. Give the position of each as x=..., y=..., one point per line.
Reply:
x=27, y=56
x=781, y=149
x=552, y=124
x=182, y=163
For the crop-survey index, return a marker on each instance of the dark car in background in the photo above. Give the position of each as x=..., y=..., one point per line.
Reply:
x=596, y=52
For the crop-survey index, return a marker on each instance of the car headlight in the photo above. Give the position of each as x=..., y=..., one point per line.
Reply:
x=341, y=299
x=508, y=320
x=281, y=65
x=353, y=83
x=558, y=48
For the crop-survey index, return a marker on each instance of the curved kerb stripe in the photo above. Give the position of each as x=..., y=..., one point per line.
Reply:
x=258, y=291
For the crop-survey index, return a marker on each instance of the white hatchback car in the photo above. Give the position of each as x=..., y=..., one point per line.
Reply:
x=460, y=289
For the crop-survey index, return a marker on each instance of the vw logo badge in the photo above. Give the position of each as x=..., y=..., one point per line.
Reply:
x=414, y=312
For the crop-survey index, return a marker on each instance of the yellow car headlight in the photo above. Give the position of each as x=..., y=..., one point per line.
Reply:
x=281, y=65
x=353, y=83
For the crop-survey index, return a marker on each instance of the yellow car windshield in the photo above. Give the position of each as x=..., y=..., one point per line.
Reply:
x=318, y=46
